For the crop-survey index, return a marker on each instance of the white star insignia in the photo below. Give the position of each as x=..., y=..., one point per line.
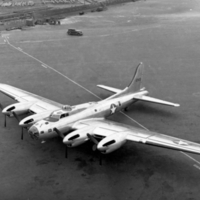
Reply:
x=113, y=108
x=180, y=142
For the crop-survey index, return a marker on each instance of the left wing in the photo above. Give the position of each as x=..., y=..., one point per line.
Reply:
x=111, y=131
x=40, y=104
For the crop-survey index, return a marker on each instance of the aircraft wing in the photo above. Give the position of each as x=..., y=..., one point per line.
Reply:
x=154, y=100
x=103, y=128
x=41, y=104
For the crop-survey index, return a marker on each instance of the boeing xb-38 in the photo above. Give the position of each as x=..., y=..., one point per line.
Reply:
x=80, y=123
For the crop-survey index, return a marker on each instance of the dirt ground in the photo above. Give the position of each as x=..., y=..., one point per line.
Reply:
x=165, y=35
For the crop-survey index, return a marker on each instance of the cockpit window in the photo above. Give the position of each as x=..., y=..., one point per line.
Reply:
x=64, y=115
x=55, y=116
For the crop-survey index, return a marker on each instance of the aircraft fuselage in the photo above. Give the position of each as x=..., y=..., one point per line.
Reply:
x=102, y=109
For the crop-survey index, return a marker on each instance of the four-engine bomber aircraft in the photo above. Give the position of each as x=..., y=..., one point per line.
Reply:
x=80, y=123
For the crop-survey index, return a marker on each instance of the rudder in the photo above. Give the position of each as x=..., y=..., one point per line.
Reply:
x=135, y=84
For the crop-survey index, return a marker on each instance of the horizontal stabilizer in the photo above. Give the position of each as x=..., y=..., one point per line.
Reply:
x=154, y=100
x=110, y=89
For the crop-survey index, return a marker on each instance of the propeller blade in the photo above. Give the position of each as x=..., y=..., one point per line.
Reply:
x=22, y=134
x=92, y=138
x=5, y=121
x=100, y=158
x=1, y=107
x=62, y=136
x=15, y=115
x=94, y=147
x=66, y=152
x=59, y=133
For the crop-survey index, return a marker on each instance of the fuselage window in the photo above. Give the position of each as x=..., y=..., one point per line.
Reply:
x=64, y=115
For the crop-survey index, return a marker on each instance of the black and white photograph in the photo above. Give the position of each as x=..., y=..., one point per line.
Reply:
x=100, y=99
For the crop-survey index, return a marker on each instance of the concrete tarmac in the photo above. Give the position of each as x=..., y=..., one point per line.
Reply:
x=165, y=35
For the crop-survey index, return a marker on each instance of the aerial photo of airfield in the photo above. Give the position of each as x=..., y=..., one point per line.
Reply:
x=165, y=36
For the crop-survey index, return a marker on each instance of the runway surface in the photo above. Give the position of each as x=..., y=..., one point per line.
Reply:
x=165, y=35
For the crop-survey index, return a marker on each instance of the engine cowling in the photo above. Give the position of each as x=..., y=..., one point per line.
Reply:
x=77, y=137
x=112, y=142
x=18, y=108
x=30, y=120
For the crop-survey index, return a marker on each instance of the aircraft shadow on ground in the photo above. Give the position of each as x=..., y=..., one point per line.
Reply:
x=133, y=160
x=136, y=159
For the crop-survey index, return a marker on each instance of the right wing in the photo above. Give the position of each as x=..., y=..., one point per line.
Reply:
x=108, y=129
x=40, y=104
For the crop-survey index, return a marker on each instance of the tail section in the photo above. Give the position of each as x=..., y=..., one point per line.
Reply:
x=135, y=88
x=135, y=84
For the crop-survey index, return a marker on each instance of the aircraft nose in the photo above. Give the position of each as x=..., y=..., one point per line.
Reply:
x=34, y=133
x=4, y=111
x=101, y=148
x=67, y=142
x=21, y=123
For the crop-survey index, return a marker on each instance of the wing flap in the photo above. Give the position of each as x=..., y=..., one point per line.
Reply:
x=154, y=100
x=165, y=141
x=103, y=132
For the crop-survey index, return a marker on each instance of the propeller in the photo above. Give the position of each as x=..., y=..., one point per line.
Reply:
x=22, y=133
x=100, y=158
x=15, y=115
x=94, y=147
x=59, y=133
x=1, y=107
x=4, y=120
x=62, y=136
x=94, y=140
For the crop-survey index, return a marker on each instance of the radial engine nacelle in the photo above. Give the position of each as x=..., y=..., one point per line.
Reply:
x=30, y=120
x=77, y=137
x=18, y=108
x=112, y=142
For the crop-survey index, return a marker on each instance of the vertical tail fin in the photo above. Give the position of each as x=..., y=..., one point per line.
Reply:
x=135, y=84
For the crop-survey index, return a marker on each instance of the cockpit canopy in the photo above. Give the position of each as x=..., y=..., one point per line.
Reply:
x=57, y=115
x=67, y=108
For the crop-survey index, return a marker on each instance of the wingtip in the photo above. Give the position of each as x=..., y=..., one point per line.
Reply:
x=176, y=105
x=140, y=63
